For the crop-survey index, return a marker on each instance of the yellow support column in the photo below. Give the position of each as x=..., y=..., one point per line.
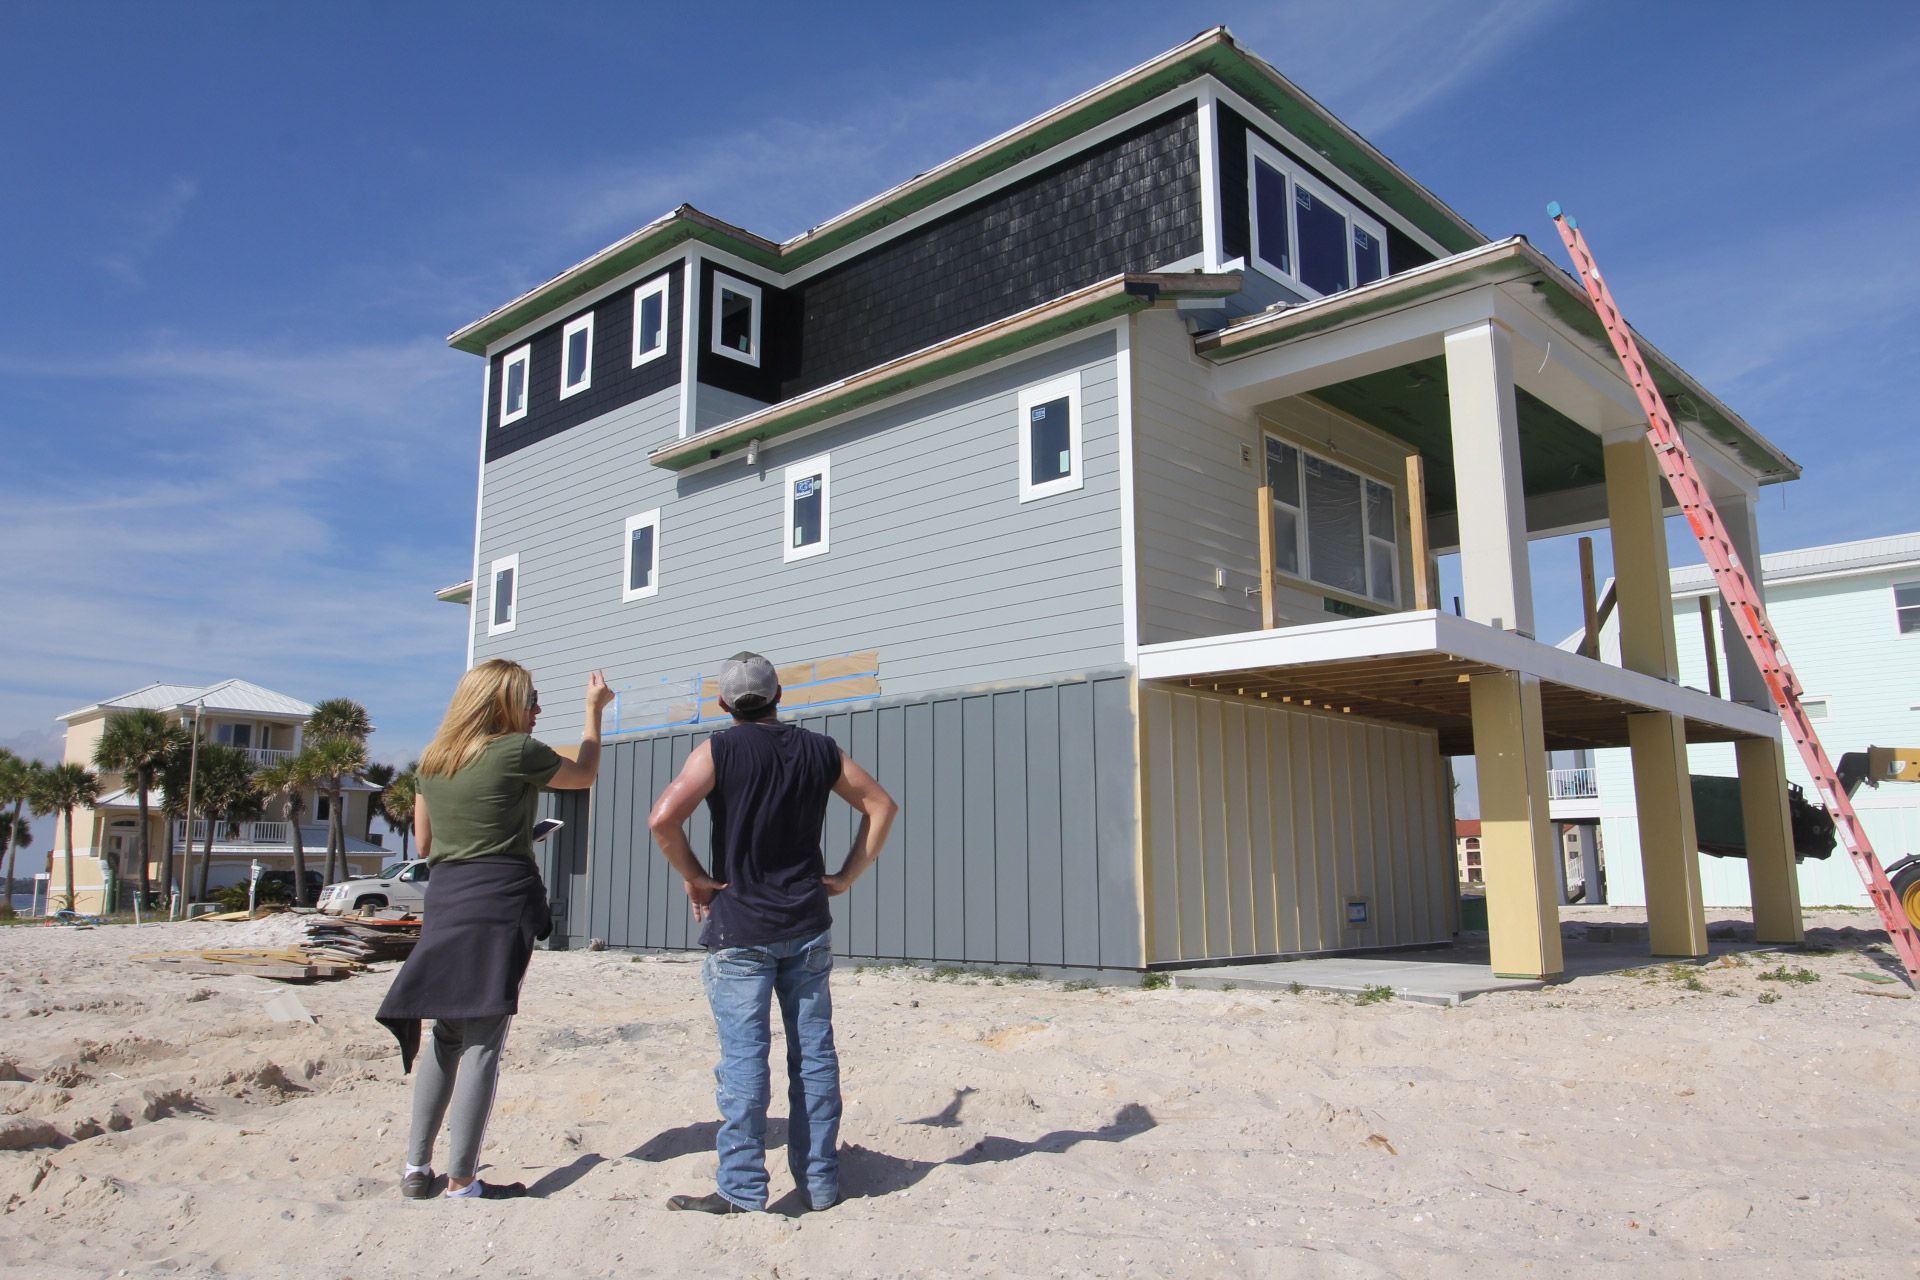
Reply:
x=1663, y=789
x=1669, y=852
x=1773, y=878
x=1772, y=875
x=1517, y=847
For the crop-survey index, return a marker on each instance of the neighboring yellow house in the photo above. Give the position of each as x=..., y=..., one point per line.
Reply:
x=268, y=726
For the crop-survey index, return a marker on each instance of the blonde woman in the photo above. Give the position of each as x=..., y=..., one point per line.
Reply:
x=480, y=783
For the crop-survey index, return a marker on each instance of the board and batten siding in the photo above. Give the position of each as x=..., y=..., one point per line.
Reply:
x=1197, y=473
x=1262, y=821
x=1015, y=842
x=933, y=561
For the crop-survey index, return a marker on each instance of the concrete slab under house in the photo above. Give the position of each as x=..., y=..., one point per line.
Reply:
x=1090, y=487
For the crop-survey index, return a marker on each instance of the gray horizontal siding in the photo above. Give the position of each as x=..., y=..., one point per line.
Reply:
x=933, y=561
x=1015, y=842
x=1196, y=500
x=713, y=405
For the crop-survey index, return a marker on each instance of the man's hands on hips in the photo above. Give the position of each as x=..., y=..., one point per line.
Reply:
x=700, y=892
x=836, y=884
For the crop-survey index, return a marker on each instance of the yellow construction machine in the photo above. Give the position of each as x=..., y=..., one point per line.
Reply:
x=1874, y=766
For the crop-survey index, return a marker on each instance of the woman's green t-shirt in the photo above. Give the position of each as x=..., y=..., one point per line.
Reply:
x=488, y=806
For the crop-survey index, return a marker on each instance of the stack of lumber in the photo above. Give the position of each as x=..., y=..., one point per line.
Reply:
x=287, y=964
x=361, y=941
x=319, y=947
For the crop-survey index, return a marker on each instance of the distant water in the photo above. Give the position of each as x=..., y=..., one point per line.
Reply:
x=23, y=902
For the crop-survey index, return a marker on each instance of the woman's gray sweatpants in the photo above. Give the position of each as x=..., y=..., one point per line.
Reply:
x=458, y=1068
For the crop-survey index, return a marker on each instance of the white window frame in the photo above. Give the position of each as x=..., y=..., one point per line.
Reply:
x=818, y=465
x=1260, y=150
x=495, y=628
x=1067, y=386
x=734, y=284
x=576, y=325
x=1895, y=593
x=652, y=289
x=524, y=358
x=1303, y=523
x=645, y=520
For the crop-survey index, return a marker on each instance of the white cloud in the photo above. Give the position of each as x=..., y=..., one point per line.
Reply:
x=283, y=517
x=144, y=229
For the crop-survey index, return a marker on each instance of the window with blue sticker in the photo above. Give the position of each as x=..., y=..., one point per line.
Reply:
x=1305, y=234
x=641, y=545
x=1049, y=438
x=806, y=508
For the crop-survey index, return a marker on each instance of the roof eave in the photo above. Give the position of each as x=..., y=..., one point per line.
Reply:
x=1512, y=259
x=1070, y=313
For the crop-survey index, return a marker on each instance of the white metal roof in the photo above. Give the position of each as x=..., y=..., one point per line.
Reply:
x=226, y=696
x=1833, y=560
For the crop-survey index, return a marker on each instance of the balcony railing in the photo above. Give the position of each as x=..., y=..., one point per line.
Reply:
x=1573, y=784
x=264, y=756
x=233, y=833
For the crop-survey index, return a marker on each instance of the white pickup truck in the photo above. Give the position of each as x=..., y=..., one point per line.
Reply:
x=402, y=885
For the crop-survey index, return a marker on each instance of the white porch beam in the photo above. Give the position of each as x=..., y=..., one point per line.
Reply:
x=1353, y=350
x=1496, y=581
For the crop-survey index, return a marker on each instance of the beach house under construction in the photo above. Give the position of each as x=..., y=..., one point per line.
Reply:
x=1088, y=487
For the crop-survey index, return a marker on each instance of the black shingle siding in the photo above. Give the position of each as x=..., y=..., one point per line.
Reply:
x=1130, y=204
x=615, y=381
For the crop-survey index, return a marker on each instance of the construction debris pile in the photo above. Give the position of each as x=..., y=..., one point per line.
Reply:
x=299, y=946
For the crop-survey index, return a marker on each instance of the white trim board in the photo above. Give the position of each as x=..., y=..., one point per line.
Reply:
x=1429, y=631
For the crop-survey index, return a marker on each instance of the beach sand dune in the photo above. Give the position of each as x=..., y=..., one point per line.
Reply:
x=163, y=1124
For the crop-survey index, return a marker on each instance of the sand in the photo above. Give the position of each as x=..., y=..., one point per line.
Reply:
x=163, y=1124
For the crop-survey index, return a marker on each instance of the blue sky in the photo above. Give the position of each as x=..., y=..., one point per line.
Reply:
x=234, y=443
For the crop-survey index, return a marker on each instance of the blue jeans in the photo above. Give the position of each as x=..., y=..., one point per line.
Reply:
x=739, y=982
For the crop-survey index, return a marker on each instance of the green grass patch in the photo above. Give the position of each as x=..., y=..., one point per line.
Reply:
x=1769, y=997
x=1155, y=981
x=1374, y=995
x=1784, y=974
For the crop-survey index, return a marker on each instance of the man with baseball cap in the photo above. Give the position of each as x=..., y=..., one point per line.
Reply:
x=767, y=928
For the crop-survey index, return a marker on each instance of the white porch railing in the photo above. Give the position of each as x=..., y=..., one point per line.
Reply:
x=1573, y=784
x=236, y=833
x=264, y=756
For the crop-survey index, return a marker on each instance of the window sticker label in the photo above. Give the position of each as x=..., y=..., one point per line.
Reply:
x=1038, y=413
x=804, y=488
x=1066, y=461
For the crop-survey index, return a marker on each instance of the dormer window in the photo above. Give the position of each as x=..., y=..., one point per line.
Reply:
x=513, y=385
x=736, y=319
x=650, y=321
x=576, y=356
x=1305, y=234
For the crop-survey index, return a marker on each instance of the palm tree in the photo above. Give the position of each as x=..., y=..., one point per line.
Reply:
x=223, y=784
x=137, y=746
x=396, y=803
x=335, y=760
x=20, y=837
x=380, y=777
x=344, y=722
x=291, y=780
x=62, y=789
x=16, y=788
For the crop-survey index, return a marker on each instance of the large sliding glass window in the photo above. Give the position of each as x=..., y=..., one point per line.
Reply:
x=1332, y=525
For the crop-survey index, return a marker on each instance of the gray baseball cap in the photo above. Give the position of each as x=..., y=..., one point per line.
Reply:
x=748, y=682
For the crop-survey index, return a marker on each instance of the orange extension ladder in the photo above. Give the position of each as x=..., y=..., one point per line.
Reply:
x=1736, y=587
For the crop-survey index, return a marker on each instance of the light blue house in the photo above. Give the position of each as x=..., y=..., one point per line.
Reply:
x=1849, y=617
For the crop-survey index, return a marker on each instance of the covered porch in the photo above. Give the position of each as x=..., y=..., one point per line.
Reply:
x=1490, y=373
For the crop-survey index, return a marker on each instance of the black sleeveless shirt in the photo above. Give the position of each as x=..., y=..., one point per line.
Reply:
x=771, y=782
